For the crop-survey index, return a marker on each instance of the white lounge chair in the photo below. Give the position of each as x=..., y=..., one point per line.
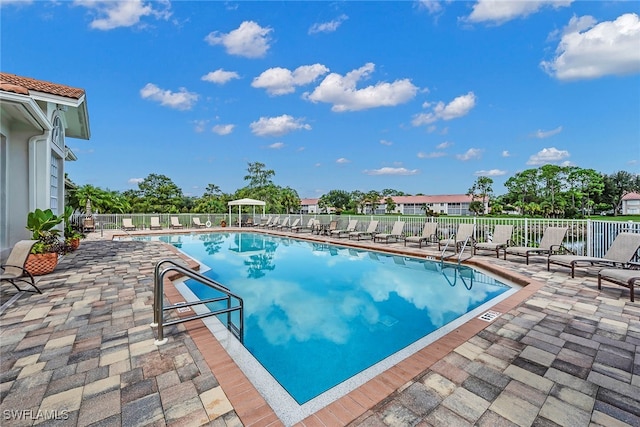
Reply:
x=13, y=271
x=429, y=235
x=127, y=224
x=464, y=233
x=621, y=253
x=550, y=243
x=309, y=227
x=500, y=239
x=351, y=227
x=396, y=233
x=196, y=222
x=155, y=223
x=621, y=276
x=285, y=224
x=175, y=222
x=369, y=232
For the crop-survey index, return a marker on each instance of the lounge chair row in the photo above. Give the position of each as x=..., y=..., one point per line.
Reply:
x=154, y=224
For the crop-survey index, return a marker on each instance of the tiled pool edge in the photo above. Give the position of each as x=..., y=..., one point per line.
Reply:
x=253, y=410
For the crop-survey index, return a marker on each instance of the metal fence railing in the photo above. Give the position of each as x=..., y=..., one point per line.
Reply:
x=584, y=237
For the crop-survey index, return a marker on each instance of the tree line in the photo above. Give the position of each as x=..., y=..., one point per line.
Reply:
x=548, y=191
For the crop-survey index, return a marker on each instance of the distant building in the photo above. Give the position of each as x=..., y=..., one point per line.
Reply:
x=631, y=204
x=35, y=119
x=448, y=204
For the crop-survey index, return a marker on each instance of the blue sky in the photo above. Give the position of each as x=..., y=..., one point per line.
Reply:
x=421, y=97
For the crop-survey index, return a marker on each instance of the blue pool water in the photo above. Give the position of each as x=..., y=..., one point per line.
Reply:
x=317, y=314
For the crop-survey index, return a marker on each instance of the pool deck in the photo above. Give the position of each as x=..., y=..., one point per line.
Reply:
x=561, y=353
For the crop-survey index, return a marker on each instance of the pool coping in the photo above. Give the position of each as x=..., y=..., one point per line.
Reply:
x=253, y=409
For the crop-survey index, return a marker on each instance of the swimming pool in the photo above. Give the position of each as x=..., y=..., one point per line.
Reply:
x=317, y=315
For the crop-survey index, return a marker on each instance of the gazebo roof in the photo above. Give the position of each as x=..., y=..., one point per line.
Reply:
x=247, y=201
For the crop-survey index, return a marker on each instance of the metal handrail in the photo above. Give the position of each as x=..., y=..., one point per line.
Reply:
x=159, y=309
x=464, y=245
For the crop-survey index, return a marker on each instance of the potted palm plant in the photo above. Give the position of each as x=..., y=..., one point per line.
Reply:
x=71, y=235
x=44, y=254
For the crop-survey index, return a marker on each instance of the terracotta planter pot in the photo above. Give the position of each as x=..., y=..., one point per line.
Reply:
x=39, y=264
x=74, y=243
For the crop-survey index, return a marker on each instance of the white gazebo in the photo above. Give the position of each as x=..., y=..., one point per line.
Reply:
x=246, y=202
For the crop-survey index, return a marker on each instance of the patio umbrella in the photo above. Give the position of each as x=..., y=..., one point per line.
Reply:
x=87, y=207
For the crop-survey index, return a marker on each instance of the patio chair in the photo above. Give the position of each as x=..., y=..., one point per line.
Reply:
x=369, y=232
x=274, y=223
x=309, y=227
x=464, y=233
x=265, y=222
x=88, y=224
x=396, y=233
x=175, y=223
x=621, y=253
x=284, y=224
x=550, y=243
x=127, y=224
x=196, y=222
x=295, y=223
x=621, y=276
x=155, y=223
x=13, y=271
x=500, y=239
x=429, y=235
x=351, y=227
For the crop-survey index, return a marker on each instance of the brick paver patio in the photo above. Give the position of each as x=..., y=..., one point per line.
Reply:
x=82, y=354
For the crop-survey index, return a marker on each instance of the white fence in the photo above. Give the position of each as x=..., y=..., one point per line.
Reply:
x=585, y=237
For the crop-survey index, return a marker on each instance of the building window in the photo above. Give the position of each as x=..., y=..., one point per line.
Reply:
x=56, y=163
x=57, y=136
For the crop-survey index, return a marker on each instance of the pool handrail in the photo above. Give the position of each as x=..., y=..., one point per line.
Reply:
x=159, y=309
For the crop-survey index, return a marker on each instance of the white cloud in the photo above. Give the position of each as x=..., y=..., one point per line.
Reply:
x=280, y=81
x=328, y=27
x=391, y=171
x=492, y=172
x=277, y=126
x=548, y=155
x=444, y=145
x=181, y=100
x=277, y=145
x=249, y=40
x=471, y=153
x=341, y=91
x=433, y=155
x=343, y=161
x=220, y=76
x=506, y=153
x=588, y=50
x=541, y=134
x=434, y=7
x=200, y=125
x=223, y=129
x=500, y=11
x=115, y=14
x=459, y=107
x=135, y=180
x=385, y=142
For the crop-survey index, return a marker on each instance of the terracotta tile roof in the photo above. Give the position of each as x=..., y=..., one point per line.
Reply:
x=442, y=198
x=17, y=84
x=631, y=196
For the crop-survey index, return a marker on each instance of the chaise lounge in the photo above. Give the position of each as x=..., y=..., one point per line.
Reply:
x=429, y=235
x=621, y=276
x=550, y=243
x=621, y=253
x=464, y=233
x=396, y=233
x=500, y=239
x=13, y=271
